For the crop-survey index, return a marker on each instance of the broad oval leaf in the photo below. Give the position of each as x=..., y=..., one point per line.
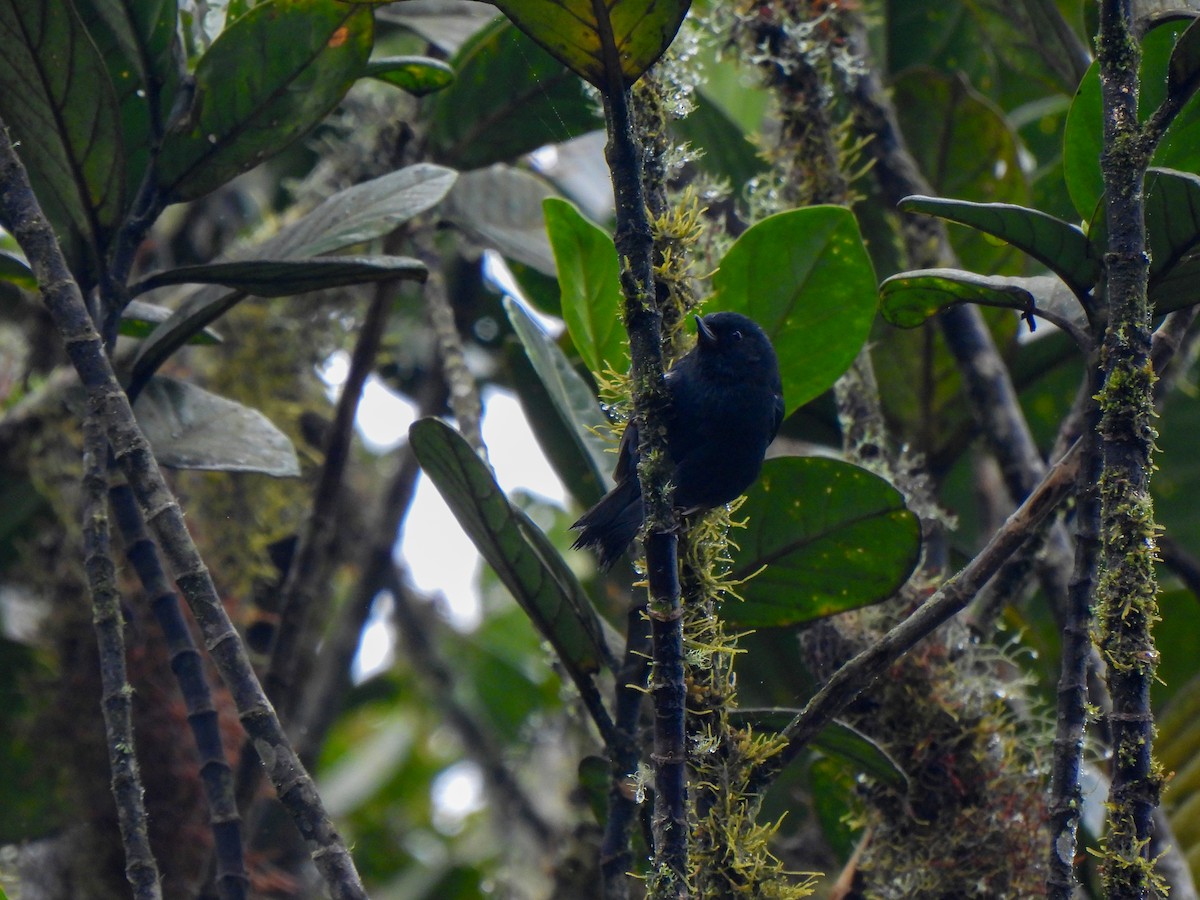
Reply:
x=501, y=207
x=806, y=278
x=832, y=537
x=908, y=299
x=285, y=277
x=589, y=278
x=508, y=97
x=362, y=212
x=269, y=77
x=59, y=104
x=190, y=428
x=573, y=406
x=524, y=559
x=140, y=44
x=967, y=149
x=588, y=37
x=418, y=75
x=1058, y=245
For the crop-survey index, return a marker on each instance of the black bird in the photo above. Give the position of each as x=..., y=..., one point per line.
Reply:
x=726, y=406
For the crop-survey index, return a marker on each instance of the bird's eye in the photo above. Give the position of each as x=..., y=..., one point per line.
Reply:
x=735, y=336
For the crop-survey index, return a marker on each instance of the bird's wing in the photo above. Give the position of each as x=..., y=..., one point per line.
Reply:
x=779, y=411
x=627, y=454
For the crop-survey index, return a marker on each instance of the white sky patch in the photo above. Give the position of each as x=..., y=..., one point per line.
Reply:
x=456, y=793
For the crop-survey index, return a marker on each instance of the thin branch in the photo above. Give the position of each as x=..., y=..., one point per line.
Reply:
x=133, y=454
x=116, y=694
x=616, y=852
x=308, y=575
x=857, y=675
x=1065, y=804
x=188, y=668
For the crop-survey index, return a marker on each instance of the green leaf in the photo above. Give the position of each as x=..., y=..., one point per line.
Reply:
x=139, y=42
x=1061, y=247
x=908, y=299
x=508, y=97
x=967, y=149
x=832, y=537
x=418, y=75
x=268, y=78
x=1173, y=235
x=1083, y=135
x=190, y=428
x=806, y=278
x=633, y=34
x=139, y=319
x=61, y=108
x=16, y=271
x=285, y=277
x=362, y=212
x=589, y=277
x=582, y=460
x=1183, y=68
x=528, y=565
x=501, y=207
x=726, y=152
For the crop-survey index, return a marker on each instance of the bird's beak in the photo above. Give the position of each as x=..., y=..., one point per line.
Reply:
x=705, y=334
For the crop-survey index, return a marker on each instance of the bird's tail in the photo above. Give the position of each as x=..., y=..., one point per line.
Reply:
x=611, y=525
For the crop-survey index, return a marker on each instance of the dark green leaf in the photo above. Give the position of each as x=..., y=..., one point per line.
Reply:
x=508, y=97
x=530, y=567
x=139, y=319
x=966, y=149
x=1082, y=138
x=1173, y=235
x=285, y=277
x=59, y=104
x=189, y=428
x=572, y=405
x=832, y=537
x=362, y=212
x=1061, y=247
x=635, y=35
x=501, y=207
x=268, y=78
x=418, y=75
x=1183, y=68
x=910, y=298
x=806, y=278
x=589, y=277
x=140, y=44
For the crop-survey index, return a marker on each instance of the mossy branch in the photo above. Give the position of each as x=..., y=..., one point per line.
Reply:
x=1126, y=596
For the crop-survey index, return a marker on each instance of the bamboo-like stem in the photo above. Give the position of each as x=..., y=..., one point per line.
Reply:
x=133, y=454
x=188, y=669
x=116, y=694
